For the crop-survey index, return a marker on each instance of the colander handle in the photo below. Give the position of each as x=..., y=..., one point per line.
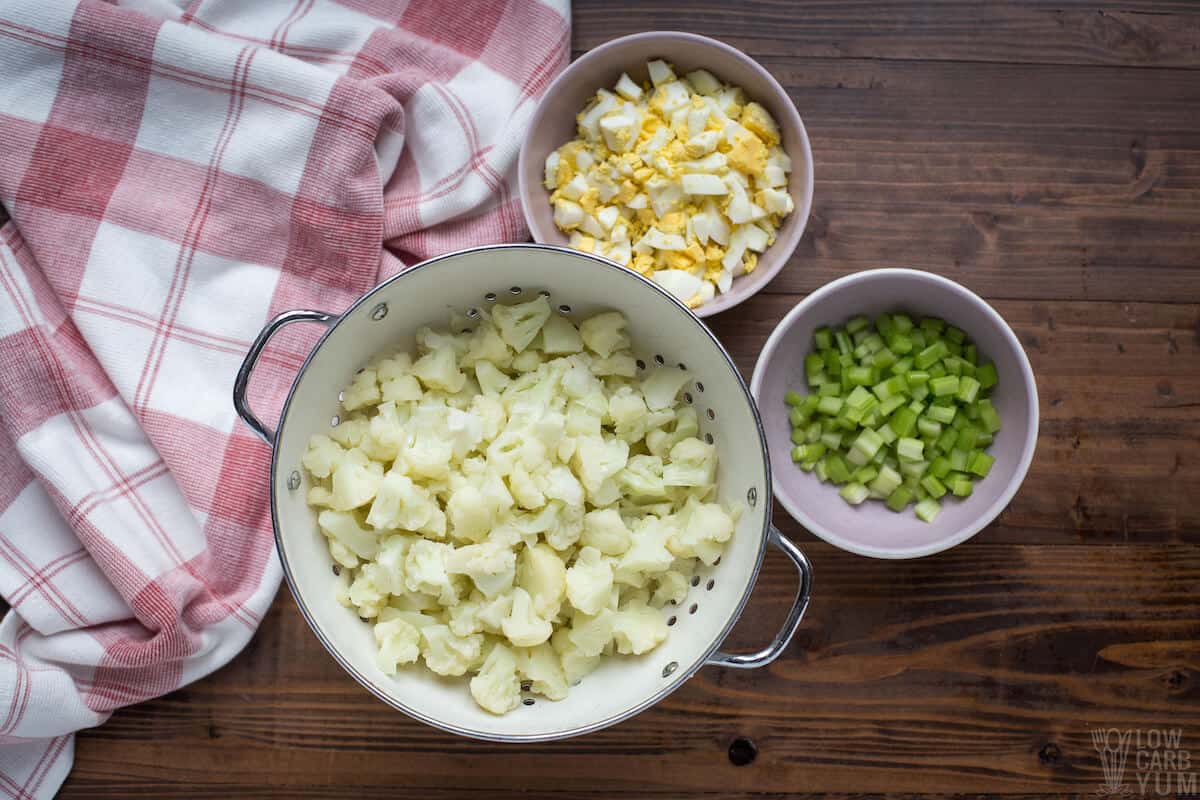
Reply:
x=242, y=381
x=799, y=604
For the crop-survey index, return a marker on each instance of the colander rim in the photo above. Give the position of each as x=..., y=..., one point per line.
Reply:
x=681, y=675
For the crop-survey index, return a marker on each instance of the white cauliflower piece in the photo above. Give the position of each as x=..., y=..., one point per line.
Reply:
x=350, y=432
x=648, y=552
x=344, y=528
x=493, y=612
x=589, y=581
x=497, y=688
x=672, y=588
x=401, y=505
x=385, y=433
x=362, y=391
x=575, y=664
x=365, y=594
x=425, y=570
x=491, y=380
x=438, y=369
x=604, y=530
x=322, y=456
x=642, y=479
x=390, y=561
x=463, y=618
x=560, y=336
x=638, y=628
x=341, y=587
x=541, y=667
x=558, y=483
x=604, y=334
x=468, y=514
x=399, y=643
x=355, y=480
x=524, y=490
x=519, y=324
x=543, y=575
x=662, y=385
x=622, y=364
x=693, y=463
x=659, y=442
x=701, y=532
x=591, y=634
x=319, y=497
x=491, y=566
x=487, y=345
x=523, y=627
x=597, y=459
x=448, y=654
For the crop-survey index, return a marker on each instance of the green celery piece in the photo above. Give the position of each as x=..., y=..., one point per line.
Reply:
x=886, y=482
x=968, y=388
x=939, y=467
x=899, y=499
x=817, y=379
x=931, y=355
x=883, y=324
x=858, y=376
x=919, y=392
x=900, y=343
x=813, y=364
x=916, y=377
x=903, y=421
x=871, y=419
x=883, y=359
x=933, y=325
x=954, y=348
x=953, y=365
x=798, y=453
x=932, y=485
x=831, y=440
x=960, y=421
x=895, y=385
x=919, y=339
x=856, y=324
x=864, y=474
x=833, y=362
x=823, y=338
x=971, y=354
x=886, y=433
x=881, y=457
x=891, y=404
x=946, y=442
x=942, y=414
x=835, y=465
x=798, y=436
x=990, y=419
x=941, y=387
x=793, y=398
x=958, y=459
x=959, y=485
x=986, y=374
x=858, y=337
x=811, y=451
x=829, y=405
x=955, y=335
x=928, y=428
x=813, y=432
x=822, y=473
x=919, y=493
x=966, y=438
x=928, y=509
x=981, y=464
x=854, y=493
x=843, y=342
x=917, y=407
x=809, y=404
x=808, y=466
x=796, y=416
x=864, y=447
x=968, y=369
x=913, y=469
x=860, y=398
x=909, y=449
x=870, y=344
x=984, y=439
x=901, y=367
x=902, y=322
x=828, y=390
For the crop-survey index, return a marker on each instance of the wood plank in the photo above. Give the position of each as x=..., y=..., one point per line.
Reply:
x=1119, y=386
x=984, y=666
x=1125, y=34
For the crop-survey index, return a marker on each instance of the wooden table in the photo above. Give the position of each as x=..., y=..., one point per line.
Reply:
x=1046, y=156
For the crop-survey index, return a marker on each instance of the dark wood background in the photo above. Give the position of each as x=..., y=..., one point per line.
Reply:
x=1048, y=157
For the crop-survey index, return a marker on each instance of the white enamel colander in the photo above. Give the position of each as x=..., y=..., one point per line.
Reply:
x=663, y=332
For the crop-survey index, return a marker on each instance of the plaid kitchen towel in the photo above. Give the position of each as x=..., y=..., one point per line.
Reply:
x=176, y=174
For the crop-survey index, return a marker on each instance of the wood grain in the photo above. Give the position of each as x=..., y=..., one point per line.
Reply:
x=1048, y=157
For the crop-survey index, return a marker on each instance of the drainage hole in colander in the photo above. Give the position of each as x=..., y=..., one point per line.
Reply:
x=515, y=290
x=718, y=561
x=526, y=686
x=337, y=569
x=752, y=497
x=528, y=701
x=564, y=309
x=334, y=420
x=472, y=313
x=659, y=360
x=341, y=396
x=708, y=587
x=699, y=386
x=671, y=620
x=695, y=580
x=708, y=438
x=669, y=668
x=711, y=414
x=693, y=608
x=490, y=297
x=544, y=293
x=641, y=364
x=682, y=366
x=687, y=397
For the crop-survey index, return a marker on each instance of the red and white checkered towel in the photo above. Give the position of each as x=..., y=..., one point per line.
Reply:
x=176, y=174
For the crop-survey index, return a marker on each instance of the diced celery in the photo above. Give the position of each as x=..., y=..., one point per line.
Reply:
x=799, y=436
x=796, y=416
x=968, y=388
x=809, y=452
x=909, y=449
x=883, y=324
x=880, y=457
x=891, y=404
x=901, y=367
x=946, y=442
x=940, y=413
x=990, y=418
x=983, y=439
x=902, y=322
x=843, y=342
x=829, y=405
x=865, y=447
x=928, y=427
x=917, y=407
x=931, y=355
x=959, y=485
x=944, y=386
x=820, y=471
x=898, y=500
x=899, y=343
x=919, y=339
x=882, y=359
x=936, y=371
x=886, y=482
x=916, y=378
x=939, y=467
x=903, y=421
x=871, y=419
x=831, y=440
x=828, y=390
x=913, y=469
x=895, y=385
x=958, y=459
x=808, y=466
x=864, y=474
x=971, y=354
x=932, y=485
x=809, y=404
x=928, y=509
x=955, y=334
x=860, y=398
x=813, y=432
x=859, y=376
x=835, y=465
x=797, y=452
x=854, y=493
x=886, y=433
x=966, y=438
x=980, y=463
x=856, y=324
x=932, y=325
x=833, y=362
x=919, y=392
x=953, y=365
x=823, y=338
x=986, y=374
x=793, y=398
x=816, y=379
x=814, y=364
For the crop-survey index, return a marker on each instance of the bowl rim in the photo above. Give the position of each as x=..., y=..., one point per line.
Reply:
x=684, y=673
x=786, y=248
x=981, y=306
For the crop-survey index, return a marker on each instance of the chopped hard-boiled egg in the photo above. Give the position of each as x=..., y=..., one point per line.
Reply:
x=681, y=179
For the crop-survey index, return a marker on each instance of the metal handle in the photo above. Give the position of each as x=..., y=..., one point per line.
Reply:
x=784, y=637
x=248, y=364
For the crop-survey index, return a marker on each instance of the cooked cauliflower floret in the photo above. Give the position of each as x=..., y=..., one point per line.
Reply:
x=541, y=667
x=497, y=688
x=399, y=643
x=589, y=581
x=604, y=530
x=447, y=653
x=638, y=628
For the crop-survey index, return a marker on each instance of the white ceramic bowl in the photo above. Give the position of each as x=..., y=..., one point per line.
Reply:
x=871, y=529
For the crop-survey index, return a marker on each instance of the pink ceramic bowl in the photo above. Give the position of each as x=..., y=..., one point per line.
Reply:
x=553, y=125
x=871, y=529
